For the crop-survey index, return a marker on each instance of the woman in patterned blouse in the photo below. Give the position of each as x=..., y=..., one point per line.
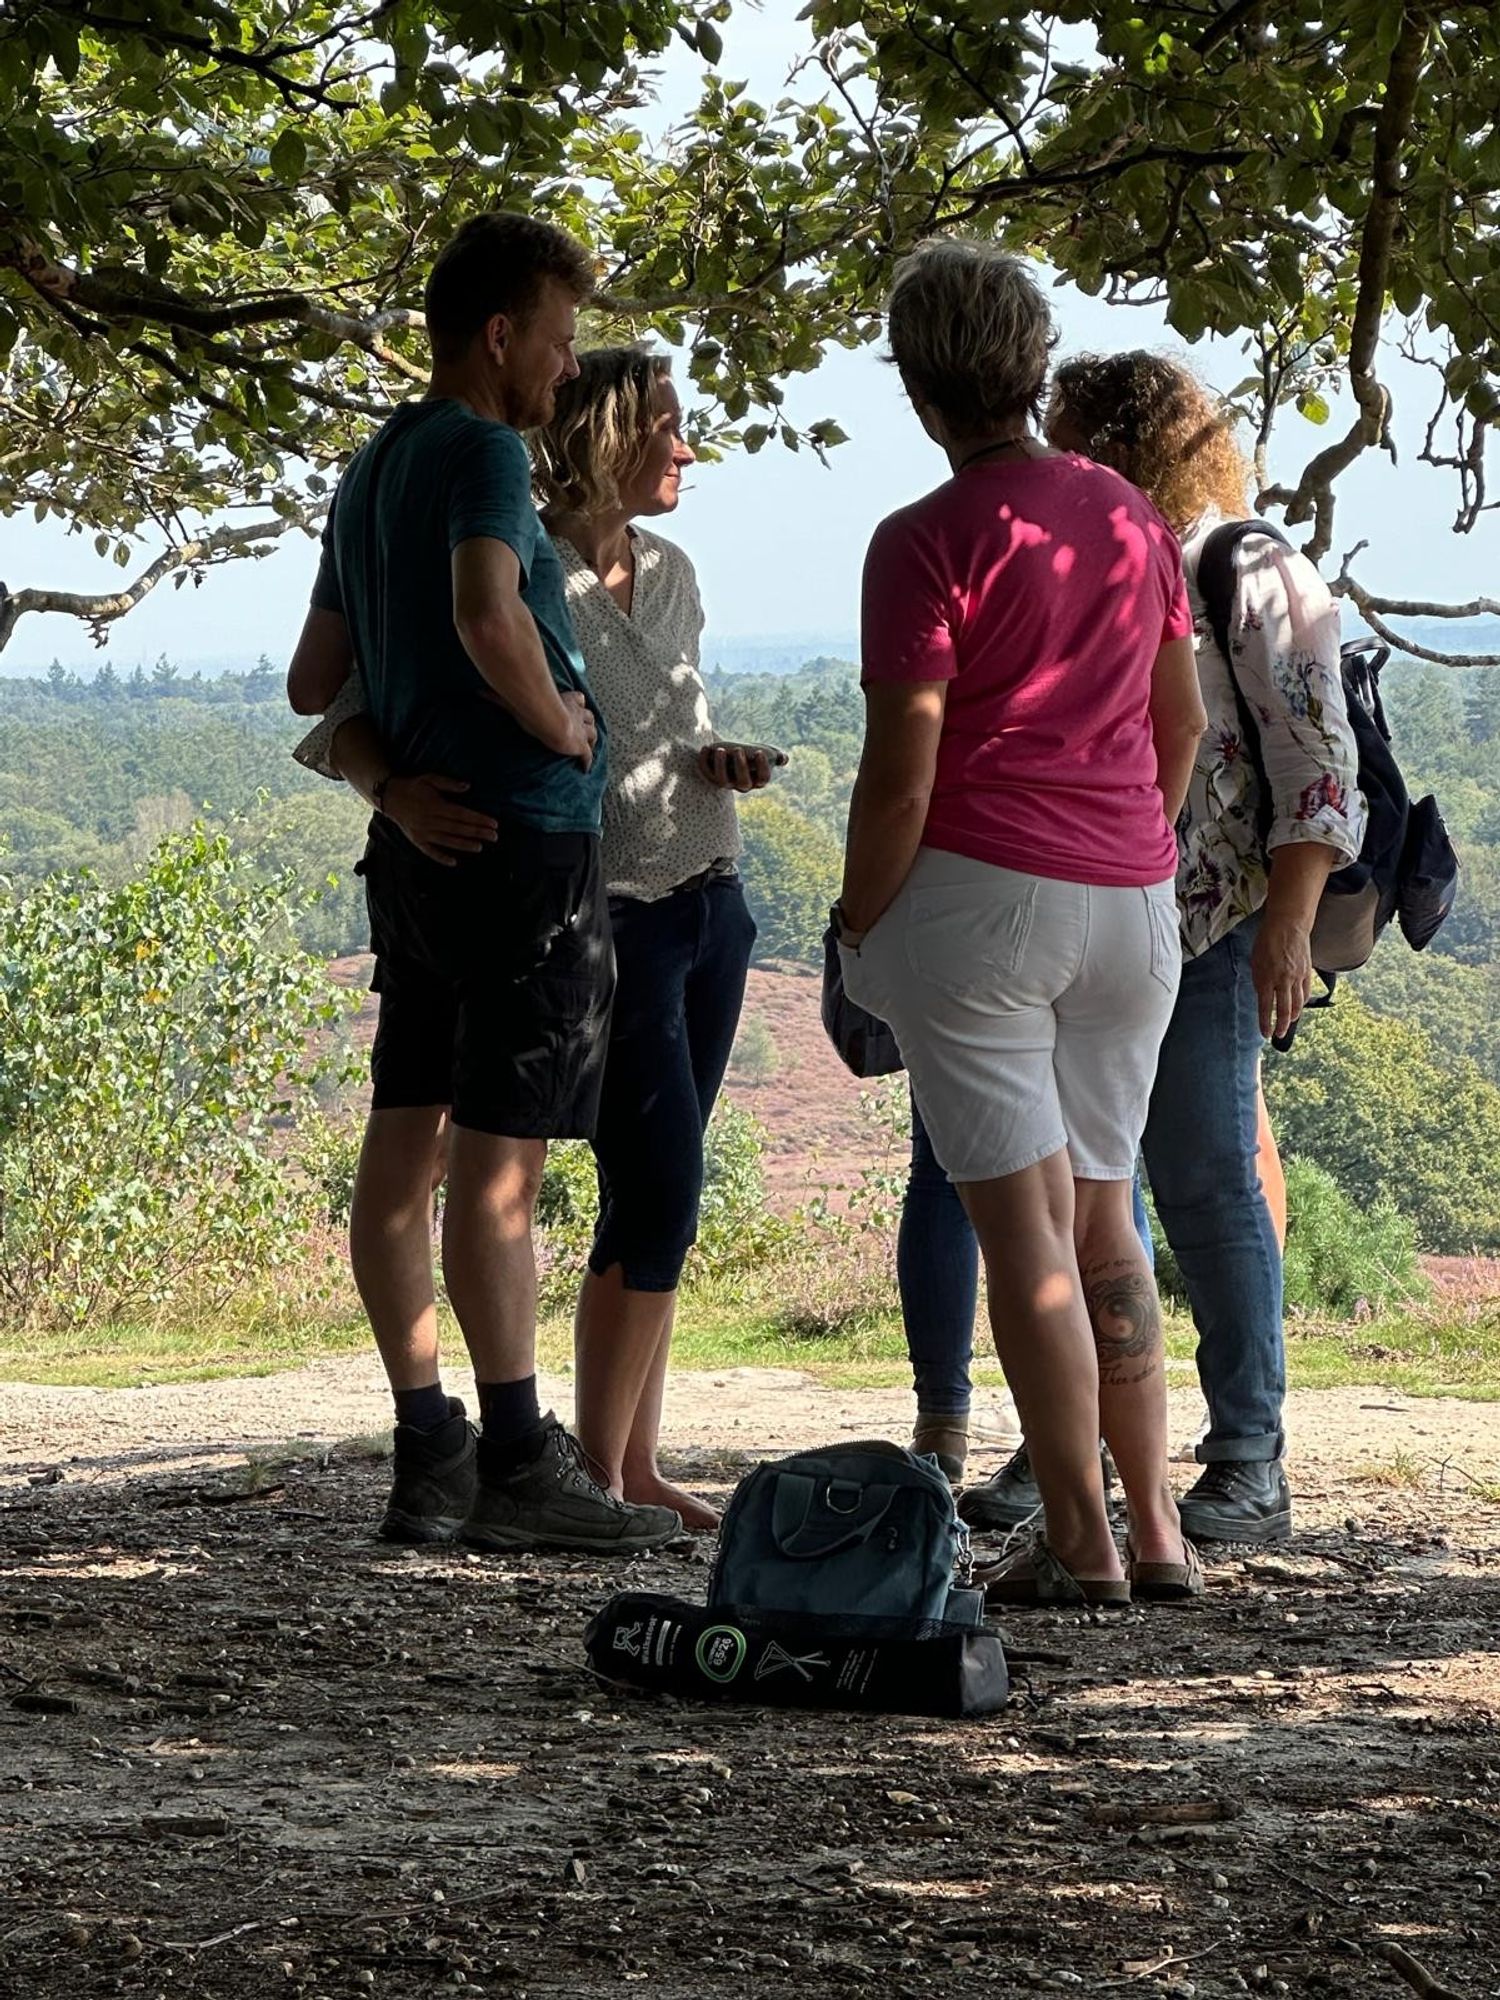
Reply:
x=612, y=454
x=1265, y=824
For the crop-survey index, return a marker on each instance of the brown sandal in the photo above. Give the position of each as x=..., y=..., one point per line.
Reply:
x=1166, y=1583
x=1036, y=1577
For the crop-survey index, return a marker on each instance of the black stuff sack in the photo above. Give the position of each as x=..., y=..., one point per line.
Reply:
x=865, y=1044
x=721, y=1652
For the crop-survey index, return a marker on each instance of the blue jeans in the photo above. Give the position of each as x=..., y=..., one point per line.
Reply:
x=1200, y=1159
x=937, y=1270
x=680, y=981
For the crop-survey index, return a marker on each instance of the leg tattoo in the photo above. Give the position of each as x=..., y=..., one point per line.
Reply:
x=1126, y=1315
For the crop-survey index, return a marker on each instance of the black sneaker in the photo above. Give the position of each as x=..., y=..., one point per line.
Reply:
x=1011, y=1495
x=1238, y=1500
x=435, y=1479
x=553, y=1501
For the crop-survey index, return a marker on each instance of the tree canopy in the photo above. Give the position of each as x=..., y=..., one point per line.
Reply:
x=215, y=219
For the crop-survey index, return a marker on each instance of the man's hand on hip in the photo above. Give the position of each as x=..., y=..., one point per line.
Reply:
x=427, y=812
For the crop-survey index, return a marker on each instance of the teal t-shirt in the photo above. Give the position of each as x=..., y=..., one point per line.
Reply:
x=442, y=475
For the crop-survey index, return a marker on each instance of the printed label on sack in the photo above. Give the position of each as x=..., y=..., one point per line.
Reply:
x=720, y=1652
x=777, y=1660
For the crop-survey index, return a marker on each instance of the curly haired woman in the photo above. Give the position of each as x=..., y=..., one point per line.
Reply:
x=1263, y=826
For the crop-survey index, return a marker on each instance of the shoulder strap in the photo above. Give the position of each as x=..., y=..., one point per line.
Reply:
x=1217, y=575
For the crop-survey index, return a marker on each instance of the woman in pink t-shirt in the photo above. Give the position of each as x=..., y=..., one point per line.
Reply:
x=1032, y=716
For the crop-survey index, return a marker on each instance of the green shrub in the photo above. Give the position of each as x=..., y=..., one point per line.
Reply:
x=756, y=1058
x=1341, y=1259
x=327, y=1151
x=737, y=1233
x=156, y=1043
x=1375, y=1102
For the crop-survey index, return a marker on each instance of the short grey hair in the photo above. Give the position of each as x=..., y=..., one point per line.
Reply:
x=971, y=334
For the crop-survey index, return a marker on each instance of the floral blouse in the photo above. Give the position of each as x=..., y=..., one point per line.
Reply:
x=1284, y=635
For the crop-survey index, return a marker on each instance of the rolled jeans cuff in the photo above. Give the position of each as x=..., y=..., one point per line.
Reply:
x=1241, y=1451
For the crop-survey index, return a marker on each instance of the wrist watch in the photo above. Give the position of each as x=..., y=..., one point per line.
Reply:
x=850, y=939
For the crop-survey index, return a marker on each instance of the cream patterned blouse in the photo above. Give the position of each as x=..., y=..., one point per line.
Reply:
x=664, y=823
x=1284, y=635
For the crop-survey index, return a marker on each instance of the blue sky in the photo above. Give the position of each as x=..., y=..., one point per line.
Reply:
x=777, y=539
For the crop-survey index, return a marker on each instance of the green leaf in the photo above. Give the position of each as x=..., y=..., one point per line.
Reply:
x=289, y=154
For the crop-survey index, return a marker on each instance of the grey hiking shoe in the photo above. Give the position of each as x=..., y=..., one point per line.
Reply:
x=1238, y=1500
x=1011, y=1495
x=434, y=1483
x=553, y=1501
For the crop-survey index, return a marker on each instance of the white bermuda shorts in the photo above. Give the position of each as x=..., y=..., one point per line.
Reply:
x=1030, y=1012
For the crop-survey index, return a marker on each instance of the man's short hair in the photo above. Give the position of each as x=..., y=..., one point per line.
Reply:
x=971, y=333
x=498, y=263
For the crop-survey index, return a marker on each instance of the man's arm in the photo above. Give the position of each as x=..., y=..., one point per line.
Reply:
x=499, y=635
x=897, y=765
x=322, y=662
x=425, y=807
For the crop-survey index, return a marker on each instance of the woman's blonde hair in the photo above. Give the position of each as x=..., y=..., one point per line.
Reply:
x=971, y=333
x=598, y=429
x=1152, y=420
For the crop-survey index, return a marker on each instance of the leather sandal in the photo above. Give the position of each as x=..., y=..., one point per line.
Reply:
x=1036, y=1577
x=1166, y=1583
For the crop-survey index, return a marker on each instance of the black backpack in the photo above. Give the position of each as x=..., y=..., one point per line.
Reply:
x=1406, y=867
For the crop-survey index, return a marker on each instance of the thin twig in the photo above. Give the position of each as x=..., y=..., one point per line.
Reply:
x=1416, y=1975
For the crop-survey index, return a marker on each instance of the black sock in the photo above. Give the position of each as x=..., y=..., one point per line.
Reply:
x=423, y=1409
x=508, y=1412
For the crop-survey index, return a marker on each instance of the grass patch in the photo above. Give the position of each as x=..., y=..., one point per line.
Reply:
x=135, y=1356
x=1427, y=1350
x=1403, y=1472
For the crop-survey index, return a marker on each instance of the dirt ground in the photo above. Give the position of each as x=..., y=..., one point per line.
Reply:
x=247, y=1751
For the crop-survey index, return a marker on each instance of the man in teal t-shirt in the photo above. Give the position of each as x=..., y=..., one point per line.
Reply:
x=442, y=475
x=493, y=955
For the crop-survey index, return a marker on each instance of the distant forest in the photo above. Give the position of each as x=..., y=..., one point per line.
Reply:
x=93, y=771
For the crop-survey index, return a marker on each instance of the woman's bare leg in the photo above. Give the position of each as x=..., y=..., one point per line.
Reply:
x=1126, y=1314
x=1024, y=1223
x=642, y=1475
x=1268, y=1166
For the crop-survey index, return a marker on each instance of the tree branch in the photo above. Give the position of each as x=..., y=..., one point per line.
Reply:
x=70, y=289
x=1233, y=15
x=103, y=608
x=1313, y=498
x=263, y=64
x=1370, y=607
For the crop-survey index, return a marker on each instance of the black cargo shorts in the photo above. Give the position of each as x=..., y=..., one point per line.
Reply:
x=495, y=979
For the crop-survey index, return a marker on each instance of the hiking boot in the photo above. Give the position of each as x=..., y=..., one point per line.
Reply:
x=946, y=1438
x=1011, y=1495
x=553, y=1501
x=435, y=1478
x=1238, y=1500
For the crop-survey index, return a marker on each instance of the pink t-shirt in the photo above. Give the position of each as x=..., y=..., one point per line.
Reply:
x=1042, y=590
